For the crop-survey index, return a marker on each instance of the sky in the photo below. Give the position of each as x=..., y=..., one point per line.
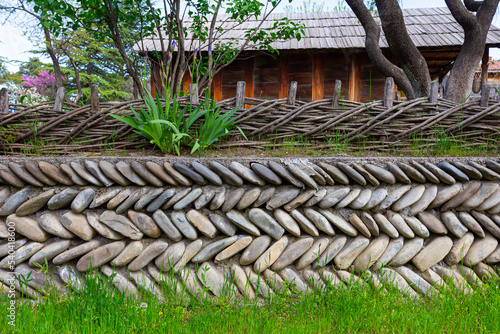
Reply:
x=14, y=46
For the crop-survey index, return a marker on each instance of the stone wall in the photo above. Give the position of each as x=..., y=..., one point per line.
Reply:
x=251, y=226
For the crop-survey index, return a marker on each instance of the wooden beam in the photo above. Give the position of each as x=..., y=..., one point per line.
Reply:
x=484, y=66
x=217, y=87
x=283, y=76
x=318, y=84
x=249, y=79
x=354, y=79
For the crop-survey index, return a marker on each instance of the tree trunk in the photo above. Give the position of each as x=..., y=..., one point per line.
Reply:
x=53, y=57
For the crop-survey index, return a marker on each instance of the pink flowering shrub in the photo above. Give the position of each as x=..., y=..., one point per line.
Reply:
x=44, y=82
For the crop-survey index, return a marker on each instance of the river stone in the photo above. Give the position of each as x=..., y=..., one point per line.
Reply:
x=348, y=199
x=4, y=195
x=266, y=173
x=350, y=279
x=126, y=170
x=78, y=224
x=352, y=173
x=4, y=232
x=493, y=257
x=191, y=282
x=377, y=197
x=284, y=196
x=104, y=198
x=178, y=177
x=410, y=248
x=213, y=280
x=470, y=171
x=145, y=223
x=409, y=198
x=120, y=282
x=82, y=200
x=28, y=228
x=415, y=281
x=49, y=252
x=239, y=220
x=218, y=199
x=314, y=253
x=147, y=284
x=148, y=255
x=170, y=256
x=4, y=248
x=339, y=222
x=318, y=175
x=188, y=172
x=241, y=243
x=121, y=224
x=444, y=194
x=385, y=225
x=9, y=177
x=147, y=197
x=369, y=177
x=202, y=223
x=100, y=256
x=40, y=280
x=164, y=223
x=94, y=169
x=294, y=280
x=427, y=173
x=329, y=180
x=338, y=242
x=319, y=221
x=304, y=223
x=350, y=252
x=460, y=248
x=417, y=227
x=275, y=281
x=34, y=170
x=428, y=196
x=248, y=198
x=178, y=195
x=371, y=253
x=334, y=172
x=490, y=202
x=110, y=171
x=232, y=199
x=75, y=252
x=15, y=201
x=334, y=197
x=23, y=175
x=487, y=223
x=292, y=253
x=223, y=224
x=242, y=282
x=247, y=173
x=494, y=210
x=470, y=276
x=314, y=280
x=316, y=198
x=213, y=248
x=485, y=272
x=432, y=253
x=226, y=174
x=21, y=254
x=381, y=173
x=285, y=174
x=485, y=191
x=398, y=173
x=453, y=171
x=191, y=250
x=471, y=223
x=160, y=200
x=370, y=223
x=264, y=221
x=83, y=174
x=302, y=175
x=188, y=199
x=205, y=198
x=441, y=174
x=432, y=222
x=495, y=166
x=160, y=173
x=256, y=248
x=145, y=174
x=51, y=223
x=390, y=276
x=453, y=224
x=180, y=221
x=361, y=200
x=392, y=197
x=62, y=199
x=287, y=222
x=93, y=220
x=299, y=200
x=400, y=224
x=130, y=252
x=487, y=173
x=480, y=250
x=258, y=283
x=34, y=204
x=206, y=173
x=54, y=173
x=390, y=252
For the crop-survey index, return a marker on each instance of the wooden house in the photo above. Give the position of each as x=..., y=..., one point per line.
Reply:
x=333, y=48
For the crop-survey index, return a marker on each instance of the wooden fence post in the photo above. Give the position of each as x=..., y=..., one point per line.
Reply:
x=292, y=93
x=59, y=99
x=4, y=101
x=240, y=94
x=94, y=98
x=389, y=92
x=193, y=93
x=485, y=95
x=336, y=94
x=433, y=95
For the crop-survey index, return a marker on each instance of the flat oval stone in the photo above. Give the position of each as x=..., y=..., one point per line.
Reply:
x=4, y=195
x=294, y=280
x=493, y=257
x=223, y=224
x=292, y=253
x=398, y=173
x=313, y=253
x=444, y=194
x=266, y=173
x=242, y=282
x=432, y=253
x=417, y=227
x=178, y=195
x=381, y=173
x=424, y=201
x=415, y=281
x=239, y=220
x=287, y=222
x=494, y=210
x=23, y=175
x=350, y=252
x=94, y=169
x=485, y=191
x=359, y=225
x=206, y=173
x=78, y=224
x=441, y=174
x=392, y=249
x=334, y=197
x=6, y=247
x=453, y=224
x=160, y=200
x=338, y=242
x=348, y=199
x=145, y=223
x=226, y=174
x=148, y=255
x=130, y=252
x=241, y=243
x=275, y=281
x=247, y=173
x=84, y=174
x=205, y=198
x=487, y=223
x=400, y=224
x=370, y=223
x=459, y=249
x=334, y=172
x=21, y=254
x=75, y=252
x=62, y=199
x=319, y=221
x=126, y=170
x=180, y=221
x=191, y=250
x=147, y=198
x=28, y=227
x=339, y=222
x=188, y=172
x=178, y=177
x=145, y=174
x=248, y=198
x=299, y=200
x=368, y=177
x=188, y=199
x=82, y=200
x=376, y=198
x=264, y=221
x=285, y=174
x=495, y=166
x=110, y=171
x=54, y=173
x=214, y=280
x=352, y=173
x=202, y=223
x=100, y=256
x=304, y=223
x=16, y=200
x=490, y=202
x=160, y=173
x=480, y=250
x=371, y=254
x=409, y=198
x=470, y=171
x=170, y=256
x=104, y=198
x=329, y=180
x=256, y=248
x=232, y=199
x=432, y=222
x=410, y=248
x=385, y=225
x=487, y=173
x=471, y=223
x=453, y=171
x=93, y=220
x=304, y=177
x=282, y=197
x=427, y=173
x=51, y=223
x=316, y=198
x=49, y=252
x=34, y=204
x=362, y=199
x=164, y=223
x=120, y=224
x=265, y=196
x=392, y=197
x=270, y=256
x=34, y=170
x=213, y=248
x=7, y=176
x=218, y=200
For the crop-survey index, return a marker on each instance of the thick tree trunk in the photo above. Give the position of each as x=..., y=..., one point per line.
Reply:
x=53, y=57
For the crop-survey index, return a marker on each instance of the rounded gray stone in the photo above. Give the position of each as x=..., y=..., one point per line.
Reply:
x=82, y=200
x=255, y=250
x=180, y=221
x=264, y=221
x=34, y=204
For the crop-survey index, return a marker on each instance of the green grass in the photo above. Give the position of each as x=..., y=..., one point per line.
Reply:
x=100, y=309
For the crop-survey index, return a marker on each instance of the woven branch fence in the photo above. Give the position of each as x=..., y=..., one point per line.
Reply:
x=266, y=123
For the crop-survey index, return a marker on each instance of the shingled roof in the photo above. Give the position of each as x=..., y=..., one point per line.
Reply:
x=428, y=27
